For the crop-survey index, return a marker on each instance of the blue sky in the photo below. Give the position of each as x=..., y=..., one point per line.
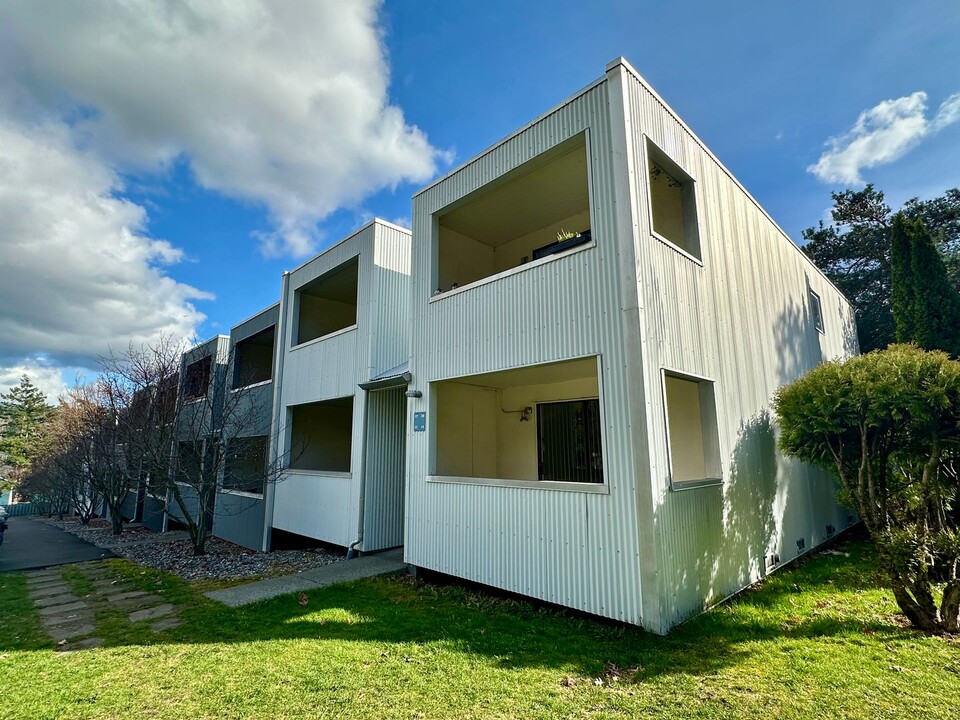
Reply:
x=213, y=185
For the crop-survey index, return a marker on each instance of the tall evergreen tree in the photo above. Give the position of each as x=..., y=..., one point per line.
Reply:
x=23, y=412
x=902, y=284
x=925, y=305
x=936, y=304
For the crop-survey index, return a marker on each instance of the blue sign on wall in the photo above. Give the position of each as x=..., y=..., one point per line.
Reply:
x=419, y=422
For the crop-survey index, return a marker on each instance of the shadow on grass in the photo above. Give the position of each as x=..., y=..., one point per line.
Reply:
x=512, y=633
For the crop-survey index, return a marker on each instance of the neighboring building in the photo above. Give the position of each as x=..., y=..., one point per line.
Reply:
x=339, y=406
x=203, y=373
x=247, y=419
x=600, y=316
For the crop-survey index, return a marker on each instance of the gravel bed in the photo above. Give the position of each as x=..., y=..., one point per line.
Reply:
x=98, y=532
x=223, y=561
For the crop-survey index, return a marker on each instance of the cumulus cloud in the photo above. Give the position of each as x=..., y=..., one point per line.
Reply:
x=47, y=378
x=78, y=274
x=881, y=135
x=282, y=104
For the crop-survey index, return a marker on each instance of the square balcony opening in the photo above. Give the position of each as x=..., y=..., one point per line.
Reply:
x=541, y=423
x=253, y=358
x=196, y=380
x=538, y=210
x=327, y=304
x=245, y=464
x=321, y=436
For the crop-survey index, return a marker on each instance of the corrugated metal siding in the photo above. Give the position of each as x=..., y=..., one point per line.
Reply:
x=190, y=502
x=573, y=548
x=389, y=310
x=384, y=469
x=742, y=319
x=319, y=506
x=128, y=509
x=239, y=519
x=153, y=513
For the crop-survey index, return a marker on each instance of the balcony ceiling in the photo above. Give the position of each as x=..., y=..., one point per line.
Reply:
x=537, y=194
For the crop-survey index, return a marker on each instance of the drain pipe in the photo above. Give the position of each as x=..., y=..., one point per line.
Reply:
x=352, y=551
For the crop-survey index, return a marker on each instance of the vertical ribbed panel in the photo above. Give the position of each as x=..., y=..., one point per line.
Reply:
x=743, y=320
x=319, y=505
x=384, y=469
x=573, y=548
x=389, y=338
x=239, y=519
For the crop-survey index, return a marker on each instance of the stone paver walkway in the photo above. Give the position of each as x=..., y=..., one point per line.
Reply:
x=71, y=620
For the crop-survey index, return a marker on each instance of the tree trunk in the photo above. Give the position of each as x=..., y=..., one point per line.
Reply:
x=920, y=616
x=116, y=520
x=200, y=539
x=950, y=607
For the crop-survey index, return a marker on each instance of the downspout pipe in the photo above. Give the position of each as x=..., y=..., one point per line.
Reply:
x=352, y=551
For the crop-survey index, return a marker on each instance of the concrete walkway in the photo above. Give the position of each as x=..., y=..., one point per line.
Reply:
x=31, y=544
x=386, y=563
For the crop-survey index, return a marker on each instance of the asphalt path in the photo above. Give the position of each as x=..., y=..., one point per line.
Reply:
x=30, y=544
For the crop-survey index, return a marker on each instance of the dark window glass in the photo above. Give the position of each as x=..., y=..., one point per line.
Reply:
x=569, y=441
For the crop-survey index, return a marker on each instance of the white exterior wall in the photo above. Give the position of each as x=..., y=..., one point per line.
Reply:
x=571, y=546
x=325, y=506
x=742, y=318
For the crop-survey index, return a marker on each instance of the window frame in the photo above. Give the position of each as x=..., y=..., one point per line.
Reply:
x=816, y=309
x=713, y=463
x=650, y=152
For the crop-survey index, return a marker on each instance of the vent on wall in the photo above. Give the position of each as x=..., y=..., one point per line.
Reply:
x=830, y=530
x=801, y=544
x=773, y=561
x=849, y=520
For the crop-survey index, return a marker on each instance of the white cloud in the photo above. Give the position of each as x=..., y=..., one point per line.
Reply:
x=78, y=274
x=283, y=104
x=47, y=378
x=881, y=135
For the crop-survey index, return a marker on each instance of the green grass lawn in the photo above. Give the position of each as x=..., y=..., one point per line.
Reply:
x=821, y=640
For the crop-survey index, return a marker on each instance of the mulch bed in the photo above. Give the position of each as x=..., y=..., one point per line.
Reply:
x=223, y=560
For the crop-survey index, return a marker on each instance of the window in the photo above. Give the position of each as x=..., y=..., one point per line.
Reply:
x=534, y=211
x=673, y=205
x=253, y=359
x=816, y=310
x=569, y=441
x=321, y=435
x=693, y=441
x=327, y=304
x=539, y=423
x=245, y=464
x=197, y=379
